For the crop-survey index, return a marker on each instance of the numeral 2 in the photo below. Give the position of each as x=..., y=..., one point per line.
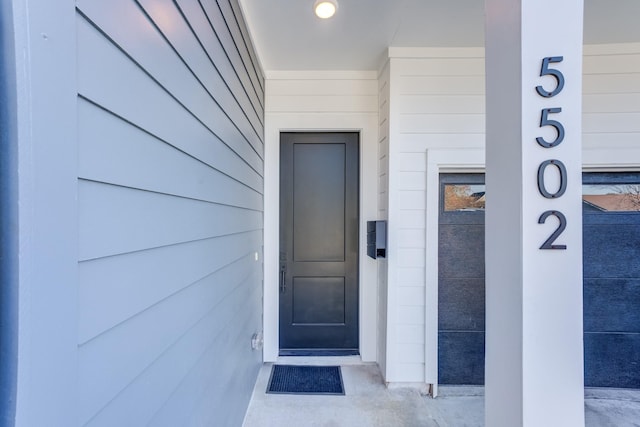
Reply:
x=548, y=244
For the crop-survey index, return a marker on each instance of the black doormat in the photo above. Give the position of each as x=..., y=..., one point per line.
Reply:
x=292, y=379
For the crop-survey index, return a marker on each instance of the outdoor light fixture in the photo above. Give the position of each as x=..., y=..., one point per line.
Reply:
x=325, y=8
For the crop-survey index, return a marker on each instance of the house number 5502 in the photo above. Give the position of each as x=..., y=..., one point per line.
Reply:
x=547, y=70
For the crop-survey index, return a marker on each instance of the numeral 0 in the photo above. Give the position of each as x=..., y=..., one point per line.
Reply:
x=563, y=179
x=546, y=71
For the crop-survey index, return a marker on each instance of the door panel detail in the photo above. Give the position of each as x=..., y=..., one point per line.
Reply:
x=319, y=243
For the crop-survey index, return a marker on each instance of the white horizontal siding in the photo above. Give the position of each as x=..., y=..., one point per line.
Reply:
x=411, y=275
x=611, y=100
x=322, y=86
x=170, y=202
x=323, y=103
x=322, y=95
x=437, y=98
x=439, y=85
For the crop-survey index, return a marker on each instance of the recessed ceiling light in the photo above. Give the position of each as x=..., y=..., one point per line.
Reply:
x=325, y=8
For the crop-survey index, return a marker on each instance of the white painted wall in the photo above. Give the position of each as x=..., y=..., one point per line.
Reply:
x=321, y=101
x=611, y=105
x=436, y=101
x=436, y=124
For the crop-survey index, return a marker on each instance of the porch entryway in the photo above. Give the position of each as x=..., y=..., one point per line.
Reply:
x=369, y=403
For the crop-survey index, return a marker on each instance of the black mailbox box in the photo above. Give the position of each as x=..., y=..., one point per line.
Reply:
x=377, y=239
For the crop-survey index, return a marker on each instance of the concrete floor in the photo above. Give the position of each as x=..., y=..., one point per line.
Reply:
x=368, y=403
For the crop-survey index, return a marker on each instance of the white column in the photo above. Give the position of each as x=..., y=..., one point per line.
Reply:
x=534, y=350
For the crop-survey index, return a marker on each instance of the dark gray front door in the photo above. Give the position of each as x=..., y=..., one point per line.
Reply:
x=318, y=243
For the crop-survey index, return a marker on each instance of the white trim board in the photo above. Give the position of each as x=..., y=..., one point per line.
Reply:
x=439, y=161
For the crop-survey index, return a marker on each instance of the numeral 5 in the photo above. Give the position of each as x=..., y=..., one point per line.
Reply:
x=546, y=71
x=546, y=121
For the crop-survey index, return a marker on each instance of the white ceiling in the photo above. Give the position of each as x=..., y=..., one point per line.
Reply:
x=288, y=36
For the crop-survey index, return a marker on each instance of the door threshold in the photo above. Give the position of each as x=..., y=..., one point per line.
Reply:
x=318, y=352
x=320, y=360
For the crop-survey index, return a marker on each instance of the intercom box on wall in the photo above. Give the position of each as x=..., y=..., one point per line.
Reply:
x=377, y=239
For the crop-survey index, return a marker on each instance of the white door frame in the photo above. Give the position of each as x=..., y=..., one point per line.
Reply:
x=439, y=161
x=366, y=125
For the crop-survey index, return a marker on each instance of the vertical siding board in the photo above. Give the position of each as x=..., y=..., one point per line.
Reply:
x=161, y=63
x=170, y=212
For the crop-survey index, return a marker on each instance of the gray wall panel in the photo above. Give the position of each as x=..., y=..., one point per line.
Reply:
x=116, y=288
x=170, y=197
x=241, y=41
x=117, y=60
x=239, y=83
x=145, y=162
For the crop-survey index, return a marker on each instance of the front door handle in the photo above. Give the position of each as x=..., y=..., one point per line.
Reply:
x=283, y=278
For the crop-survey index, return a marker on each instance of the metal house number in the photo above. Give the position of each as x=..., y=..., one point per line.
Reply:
x=546, y=70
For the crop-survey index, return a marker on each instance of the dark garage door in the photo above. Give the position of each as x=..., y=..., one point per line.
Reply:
x=611, y=258
x=461, y=279
x=611, y=241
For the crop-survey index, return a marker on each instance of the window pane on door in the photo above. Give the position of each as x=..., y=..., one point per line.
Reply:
x=464, y=197
x=612, y=197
